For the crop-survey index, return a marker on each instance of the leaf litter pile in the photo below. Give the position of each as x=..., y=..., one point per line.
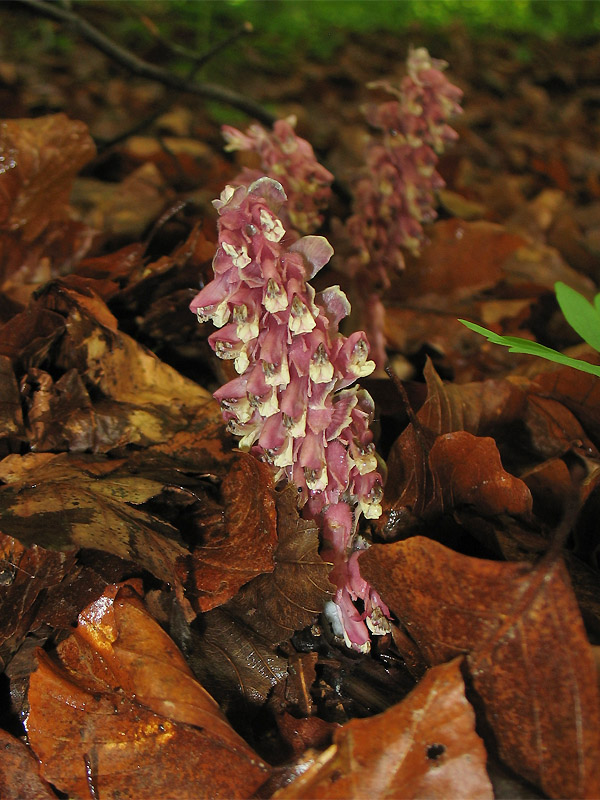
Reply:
x=160, y=627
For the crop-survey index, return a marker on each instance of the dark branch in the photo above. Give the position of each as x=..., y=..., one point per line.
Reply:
x=197, y=59
x=144, y=69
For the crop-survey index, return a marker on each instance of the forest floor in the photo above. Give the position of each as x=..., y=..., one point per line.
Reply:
x=147, y=568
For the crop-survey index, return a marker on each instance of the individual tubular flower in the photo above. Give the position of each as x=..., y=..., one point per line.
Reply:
x=291, y=161
x=294, y=403
x=396, y=194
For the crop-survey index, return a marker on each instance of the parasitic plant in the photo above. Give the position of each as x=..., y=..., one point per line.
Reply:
x=289, y=159
x=395, y=195
x=295, y=403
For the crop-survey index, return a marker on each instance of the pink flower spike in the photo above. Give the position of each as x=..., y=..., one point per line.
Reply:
x=289, y=405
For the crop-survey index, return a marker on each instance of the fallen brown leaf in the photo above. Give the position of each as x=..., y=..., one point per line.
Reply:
x=291, y=596
x=526, y=649
x=238, y=546
x=425, y=746
x=20, y=772
x=118, y=710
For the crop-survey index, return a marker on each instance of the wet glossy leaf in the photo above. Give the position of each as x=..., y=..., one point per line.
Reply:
x=120, y=708
x=425, y=746
x=526, y=649
x=26, y=575
x=40, y=158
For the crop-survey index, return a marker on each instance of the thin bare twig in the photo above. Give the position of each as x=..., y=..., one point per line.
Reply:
x=197, y=59
x=144, y=69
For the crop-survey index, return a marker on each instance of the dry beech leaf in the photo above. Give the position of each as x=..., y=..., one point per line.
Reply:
x=122, y=210
x=460, y=258
x=426, y=746
x=119, y=708
x=553, y=429
x=467, y=471
x=526, y=649
x=480, y=408
x=289, y=598
x=20, y=772
x=240, y=546
x=428, y=473
x=578, y=391
x=40, y=160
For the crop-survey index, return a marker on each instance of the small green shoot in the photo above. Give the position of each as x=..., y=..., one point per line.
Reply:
x=581, y=315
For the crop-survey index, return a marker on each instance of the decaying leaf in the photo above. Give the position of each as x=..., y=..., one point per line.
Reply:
x=425, y=746
x=238, y=666
x=26, y=575
x=240, y=545
x=20, y=772
x=526, y=648
x=238, y=656
x=119, y=708
x=55, y=503
x=289, y=598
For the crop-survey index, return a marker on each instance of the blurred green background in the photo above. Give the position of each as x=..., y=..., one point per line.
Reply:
x=317, y=26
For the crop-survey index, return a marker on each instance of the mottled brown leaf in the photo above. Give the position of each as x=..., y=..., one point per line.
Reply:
x=425, y=746
x=26, y=574
x=240, y=545
x=20, y=772
x=526, y=649
x=120, y=707
x=52, y=502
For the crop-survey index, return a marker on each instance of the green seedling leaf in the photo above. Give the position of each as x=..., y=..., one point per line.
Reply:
x=581, y=315
x=518, y=345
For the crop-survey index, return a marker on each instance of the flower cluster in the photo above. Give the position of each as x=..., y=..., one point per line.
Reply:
x=291, y=161
x=293, y=403
x=396, y=193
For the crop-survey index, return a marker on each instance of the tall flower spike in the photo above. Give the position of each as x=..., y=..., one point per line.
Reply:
x=291, y=161
x=295, y=404
x=396, y=194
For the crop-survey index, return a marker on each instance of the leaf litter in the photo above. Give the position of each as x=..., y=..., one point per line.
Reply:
x=161, y=632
